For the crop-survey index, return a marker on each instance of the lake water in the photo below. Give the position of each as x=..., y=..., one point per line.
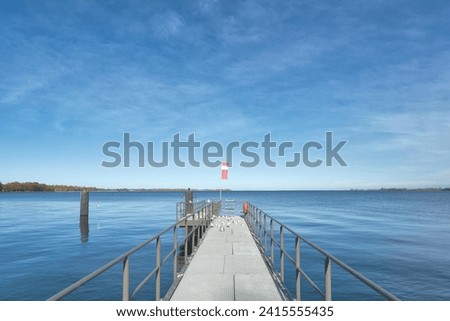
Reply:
x=398, y=239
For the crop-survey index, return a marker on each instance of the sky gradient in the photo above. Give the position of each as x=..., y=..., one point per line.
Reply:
x=78, y=74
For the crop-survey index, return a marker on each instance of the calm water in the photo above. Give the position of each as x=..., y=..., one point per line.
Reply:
x=398, y=239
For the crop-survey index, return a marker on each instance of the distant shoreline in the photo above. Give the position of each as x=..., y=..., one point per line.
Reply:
x=402, y=190
x=39, y=187
x=29, y=187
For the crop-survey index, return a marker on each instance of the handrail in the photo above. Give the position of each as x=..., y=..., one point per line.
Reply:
x=183, y=210
x=203, y=211
x=257, y=220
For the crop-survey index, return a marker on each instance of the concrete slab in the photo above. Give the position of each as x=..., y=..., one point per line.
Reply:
x=244, y=264
x=211, y=264
x=215, y=247
x=227, y=266
x=244, y=249
x=205, y=287
x=253, y=287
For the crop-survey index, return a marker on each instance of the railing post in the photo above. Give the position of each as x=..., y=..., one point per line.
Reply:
x=272, y=250
x=186, y=243
x=327, y=279
x=205, y=215
x=197, y=232
x=265, y=233
x=158, y=270
x=297, y=269
x=200, y=224
x=204, y=220
x=282, y=252
x=259, y=224
x=194, y=230
x=126, y=279
x=175, y=250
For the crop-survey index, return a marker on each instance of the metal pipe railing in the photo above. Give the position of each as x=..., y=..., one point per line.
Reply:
x=257, y=220
x=125, y=279
x=298, y=293
x=182, y=211
x=203, y=209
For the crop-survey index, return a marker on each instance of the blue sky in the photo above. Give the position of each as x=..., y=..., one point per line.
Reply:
x=78, y=74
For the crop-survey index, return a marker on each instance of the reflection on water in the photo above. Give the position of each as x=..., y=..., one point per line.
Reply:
x=84, y=229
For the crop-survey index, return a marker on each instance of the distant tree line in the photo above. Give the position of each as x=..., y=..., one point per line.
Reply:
x=39, y=187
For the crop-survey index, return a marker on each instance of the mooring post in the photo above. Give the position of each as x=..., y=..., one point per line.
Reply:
x=84, y=216
x=84, y=203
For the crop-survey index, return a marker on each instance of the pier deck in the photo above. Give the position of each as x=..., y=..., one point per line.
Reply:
x=227, y=267
x=227, y=264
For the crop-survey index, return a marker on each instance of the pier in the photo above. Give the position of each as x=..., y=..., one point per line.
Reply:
x=216, y=254
x=227, y=266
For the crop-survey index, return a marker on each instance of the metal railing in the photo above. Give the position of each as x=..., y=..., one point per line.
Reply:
x=184, y=208
x=203, y=213
x=263, y=228
x=229, y=207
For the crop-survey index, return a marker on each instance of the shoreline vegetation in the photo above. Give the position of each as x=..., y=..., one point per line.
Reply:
x=40, y=187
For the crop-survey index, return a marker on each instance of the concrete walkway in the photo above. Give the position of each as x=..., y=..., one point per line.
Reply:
x=227, y=267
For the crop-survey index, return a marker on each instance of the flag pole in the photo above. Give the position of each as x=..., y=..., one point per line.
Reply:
x=223, y=175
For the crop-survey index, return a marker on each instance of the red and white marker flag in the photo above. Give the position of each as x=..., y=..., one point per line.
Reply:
x=224, y=170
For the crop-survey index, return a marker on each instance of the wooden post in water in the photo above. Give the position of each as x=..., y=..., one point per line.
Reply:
x=84, y=216
x=189, y=201
x=84, y=203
